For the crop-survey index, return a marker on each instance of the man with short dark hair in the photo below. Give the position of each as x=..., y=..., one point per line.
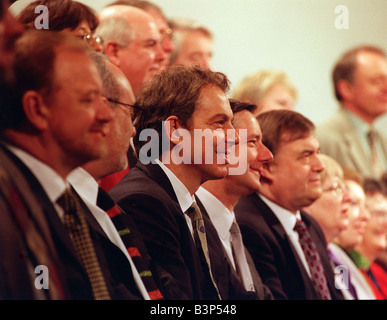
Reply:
x=219, y=197
x=274, y=228
x=181, y=109
x=350, y=136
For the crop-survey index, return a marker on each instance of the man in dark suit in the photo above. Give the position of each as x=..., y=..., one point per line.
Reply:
x=268, y=218
x=159, y=191
x=57, y=123
x=219, y=197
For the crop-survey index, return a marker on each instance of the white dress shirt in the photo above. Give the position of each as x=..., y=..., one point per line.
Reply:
x=87, y=188
x=182, y=194
x=288, y=221
x=221, y=218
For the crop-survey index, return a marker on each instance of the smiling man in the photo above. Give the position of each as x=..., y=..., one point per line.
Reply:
x=270, y=220
x=160, y=195
x=132, y=42
x=59, y=122
x=219, y=197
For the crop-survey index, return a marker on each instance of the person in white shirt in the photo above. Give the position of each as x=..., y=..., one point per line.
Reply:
x=60, y=122
x=219, y=197
x=275, y=229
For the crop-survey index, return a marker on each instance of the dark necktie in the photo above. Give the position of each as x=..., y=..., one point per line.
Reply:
x=336, y=263
x=238, y=251
x=128, y=233
x=200, y=238
x=313, y=258
x=78, y=230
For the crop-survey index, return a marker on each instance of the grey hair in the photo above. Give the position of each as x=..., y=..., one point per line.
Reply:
x=116, y=29
x=111, y=87
x=180, y=27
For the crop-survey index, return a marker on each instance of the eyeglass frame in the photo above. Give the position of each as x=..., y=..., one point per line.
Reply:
x=87, y=37
x=337, y=187
x=125, y=104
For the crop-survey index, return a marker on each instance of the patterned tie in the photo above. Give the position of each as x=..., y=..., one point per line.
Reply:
x=76, y=225
x=313, y=258
x=200, y=237
x=128, y=233
x=376, y=164
x=238, y=251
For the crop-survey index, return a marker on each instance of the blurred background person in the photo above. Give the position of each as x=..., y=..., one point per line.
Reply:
x=349, y=136
x=161, y=22
x=346, y=241
x=193, y=43
x=374, y=239
x=67, y=16
x=268, y=89
x=132, y=42
x=331, y=209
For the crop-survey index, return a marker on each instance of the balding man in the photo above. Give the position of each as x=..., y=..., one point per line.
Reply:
x=132, y=42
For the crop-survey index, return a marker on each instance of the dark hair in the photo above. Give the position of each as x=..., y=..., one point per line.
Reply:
x=238, y=105
x=280, y=126
x=35, y=54
x=174, y=91
x=345, y=66
x=62, y=14
x=373, y=186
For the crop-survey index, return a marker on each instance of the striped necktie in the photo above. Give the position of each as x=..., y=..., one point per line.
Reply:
x=132, y=241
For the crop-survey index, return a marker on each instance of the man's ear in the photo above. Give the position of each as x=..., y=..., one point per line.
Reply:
x=344, y=87
x=171, y=126
x=111, y=51
x=35, y=109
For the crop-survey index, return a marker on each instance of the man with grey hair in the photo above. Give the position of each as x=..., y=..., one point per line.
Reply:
x=193, y=43
x=132, y=42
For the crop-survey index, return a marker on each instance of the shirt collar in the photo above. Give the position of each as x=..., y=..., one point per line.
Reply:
x=286, y=218
x=220, y=216
x=51, y=182
x=182, y=194
x=84, y=184
x=360, y=125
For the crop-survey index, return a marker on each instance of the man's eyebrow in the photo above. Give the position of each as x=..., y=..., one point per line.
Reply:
x=221, y=116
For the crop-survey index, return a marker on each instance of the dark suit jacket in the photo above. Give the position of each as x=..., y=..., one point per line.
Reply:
x=147, y=195
x=274, y=255
x=263, y=292
x=113, y=262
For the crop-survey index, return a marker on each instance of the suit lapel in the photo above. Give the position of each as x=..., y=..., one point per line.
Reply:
x=352, y=141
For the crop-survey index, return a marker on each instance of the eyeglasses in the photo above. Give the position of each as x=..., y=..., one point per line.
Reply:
x=92, y=40
x=337, y=188
x=124, y=104
x=168, y=33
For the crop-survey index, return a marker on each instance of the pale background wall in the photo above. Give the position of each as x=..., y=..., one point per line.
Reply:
x=297, y=36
